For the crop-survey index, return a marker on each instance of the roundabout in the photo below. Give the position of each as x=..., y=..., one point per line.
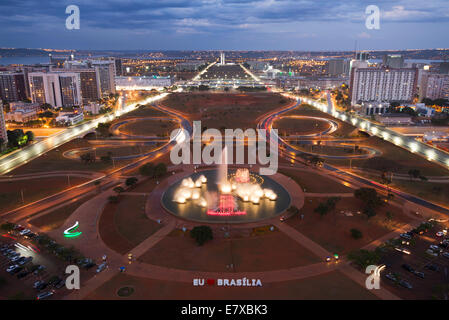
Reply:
x=209, y=205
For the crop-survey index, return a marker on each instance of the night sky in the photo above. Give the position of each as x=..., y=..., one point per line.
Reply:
x=224, y=25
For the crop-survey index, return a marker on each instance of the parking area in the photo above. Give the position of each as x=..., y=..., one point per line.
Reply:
x=30, y=270
x=417, y=263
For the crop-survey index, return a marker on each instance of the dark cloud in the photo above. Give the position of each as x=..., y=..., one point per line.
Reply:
x=178, y=21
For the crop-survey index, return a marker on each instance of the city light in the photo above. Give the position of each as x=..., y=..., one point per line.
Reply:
x=431, y=154
x=397, y=141
x=414, y=147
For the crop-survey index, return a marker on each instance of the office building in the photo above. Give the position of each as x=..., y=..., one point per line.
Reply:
x=374, y=108
x=106, y=75
x=143, y=83
x=59, y=89
x=12, y=86
x=393, y=61
x=69, y=118
x=434, y=86
x=3, y=133
x=337, y=67
x=382, y=85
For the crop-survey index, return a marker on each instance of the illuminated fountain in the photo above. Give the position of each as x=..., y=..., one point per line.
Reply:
x=242, y=185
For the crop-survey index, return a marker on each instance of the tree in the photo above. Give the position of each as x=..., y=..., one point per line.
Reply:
x=160, y=170
x=113, y=199
x=364, y=258
x=30, y=135
x=131, y=181
x=356, y=233
x=371, y=200
x=147, y=170
x=414, y=173
x=16, y=138
x=118, y=189
x=107, y=158
x=87, y=157
x=201, y=234
x=322, y=209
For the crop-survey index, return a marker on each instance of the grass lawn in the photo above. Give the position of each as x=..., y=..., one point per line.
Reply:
x=56, y=218
x=315, y=183
x=33, y=190
x=124, y=225
x=331, y=285
x=55, y=161
x=332, y=231
x=225, y=110
x=254, y=253
x=149, y=128
x=300, y=126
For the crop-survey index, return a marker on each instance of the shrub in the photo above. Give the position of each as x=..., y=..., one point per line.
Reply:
x=201, y=234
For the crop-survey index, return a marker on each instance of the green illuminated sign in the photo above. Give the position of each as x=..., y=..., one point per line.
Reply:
x=71, y=232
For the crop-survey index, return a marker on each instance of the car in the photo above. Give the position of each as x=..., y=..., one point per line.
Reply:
x=17, y=258
x=25, y=260
x=432, y=267
x=12, y=267
x=37, y=283
x=435, y=248
x=391, y=277
x=24, y=232
x=60, y=284
x=53, y=280
x=403, y=250
x=89, y=265
x=16, y=270
x=282, y=219
x=419, y=274
x=101, y=267
x=408, y=267
x=44, y=295
x=430, y=252
x=22, y=274
x=405, y=284
x=328, y=259
x=443, y=244
x=38, y=269
x=406, y=236
x=445, y=254
x=439, y=234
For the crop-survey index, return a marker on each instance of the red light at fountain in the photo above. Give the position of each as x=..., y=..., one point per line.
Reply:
x=226, y=207
x=242, y=175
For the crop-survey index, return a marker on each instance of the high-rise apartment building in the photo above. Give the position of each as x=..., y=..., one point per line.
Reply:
x=337, y=67
x=59, y=89
x=12, y=86
x=3, y=133
x=382, y=84
x=393, y=61
x=434, y=86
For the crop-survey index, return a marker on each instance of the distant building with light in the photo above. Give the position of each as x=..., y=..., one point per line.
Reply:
x=70, y=118
x=338, y=67
x=22, y=112
x=391, y=119
x=3, y=133
x=143, y=83
x=371, y=108
x=12, y=86
x=93, y=107
x=189, y=66
x=434, y=86
x=382, y=84
x=393, y=61
x=59, y=89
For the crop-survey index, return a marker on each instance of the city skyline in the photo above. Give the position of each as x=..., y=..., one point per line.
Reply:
x=223, y=25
